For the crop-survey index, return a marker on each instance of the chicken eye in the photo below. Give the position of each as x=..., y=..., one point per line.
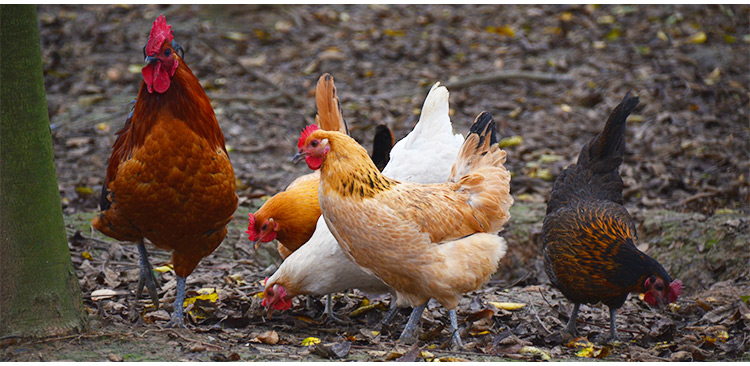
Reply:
x=659, y=287
x=167, y=52
x=314, y=143
x=265, y=226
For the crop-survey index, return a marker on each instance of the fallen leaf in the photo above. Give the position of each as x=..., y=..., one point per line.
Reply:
x=511, y=141
x=333, y=351
x=536, y=351
x=269, y=337
x=102, y=294
x=507, y=305
x=86, y=255
x=310, y=341
x=164, y=269
x=698, y=38
x=209, y=297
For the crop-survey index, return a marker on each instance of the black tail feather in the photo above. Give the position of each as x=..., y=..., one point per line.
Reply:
x=482, y=125
x=596, y=174
x=382, y=143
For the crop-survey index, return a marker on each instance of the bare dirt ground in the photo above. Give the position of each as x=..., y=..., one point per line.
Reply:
x=561, y=71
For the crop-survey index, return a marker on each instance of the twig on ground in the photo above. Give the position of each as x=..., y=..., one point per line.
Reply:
x=536, y=315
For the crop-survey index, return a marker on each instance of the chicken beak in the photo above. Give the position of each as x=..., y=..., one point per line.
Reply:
x=256, y=244
x=298, y=157
x=269, y=311
x=151, y=60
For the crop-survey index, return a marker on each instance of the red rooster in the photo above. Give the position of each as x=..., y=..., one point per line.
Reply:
x=589, y=237
x=169, y=177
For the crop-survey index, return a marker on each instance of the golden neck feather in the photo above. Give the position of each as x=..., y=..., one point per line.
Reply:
x=349, y=171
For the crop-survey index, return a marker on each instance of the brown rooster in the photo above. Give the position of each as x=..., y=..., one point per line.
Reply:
x=169, y=178
x=589, y=237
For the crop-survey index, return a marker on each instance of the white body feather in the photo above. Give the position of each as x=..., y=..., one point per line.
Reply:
x=425, y=155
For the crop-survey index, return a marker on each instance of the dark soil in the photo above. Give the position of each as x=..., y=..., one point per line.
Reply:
x=685, y=170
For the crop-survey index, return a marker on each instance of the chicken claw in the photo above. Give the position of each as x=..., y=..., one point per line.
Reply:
x=177, y=320
x=456, y=337
x=147, y=277
x=329, y=311
x=570, y=328
x=409, y=335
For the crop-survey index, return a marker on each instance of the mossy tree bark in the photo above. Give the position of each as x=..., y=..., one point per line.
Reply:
x=39, y=291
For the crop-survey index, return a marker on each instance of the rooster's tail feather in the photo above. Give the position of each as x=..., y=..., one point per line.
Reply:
x=329, y=115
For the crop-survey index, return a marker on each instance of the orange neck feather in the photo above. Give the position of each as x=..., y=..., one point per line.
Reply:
x=184, y=100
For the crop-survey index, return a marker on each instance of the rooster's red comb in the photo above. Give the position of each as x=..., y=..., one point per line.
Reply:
x=252, y=235
x=160, y=33
x=305, y=134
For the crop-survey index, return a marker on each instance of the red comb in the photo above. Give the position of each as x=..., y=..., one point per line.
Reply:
x=676, y=289
x=252, y=235
x=160, y=33
x=305, y=134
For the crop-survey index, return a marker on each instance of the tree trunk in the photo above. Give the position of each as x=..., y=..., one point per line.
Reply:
x=39, y=291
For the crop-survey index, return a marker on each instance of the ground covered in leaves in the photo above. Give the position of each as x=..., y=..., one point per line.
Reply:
x=550, y=75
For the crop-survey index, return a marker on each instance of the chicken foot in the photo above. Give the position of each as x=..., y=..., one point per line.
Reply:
x=612, y=326
x=177, y=320
x=409, y=334
x=147, y=277
x=329, y=310
x=455, y=338
x=571, y=327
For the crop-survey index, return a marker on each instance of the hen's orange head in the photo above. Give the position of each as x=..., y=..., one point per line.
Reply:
x=275, y=297
x=659, y=293
x=161, y=57
x=261, y=230
x=312, y=148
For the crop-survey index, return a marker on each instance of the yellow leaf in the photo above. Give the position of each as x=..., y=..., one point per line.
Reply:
x=566, y=16
x=207, y=290
x=309, y=341
x=394, y=33
x=511, y=141
x=425, y=354
x=102, y=126
x=503, y=31
x=613, y=35
x=375, y=332
x=362, y=309
x=713, y=77
x=536, y=351
x=86, y=255
x=550, y=158
x=507, y=305
x=524, y=197
x=698, y=38
x=164, y=269
x=635, y=118
x=543, y=174
x=84, y=190
x=260, y=295
x=210, y=297
x=586, y=352
x=662, y=36
x=238, y=279
x=474, y=334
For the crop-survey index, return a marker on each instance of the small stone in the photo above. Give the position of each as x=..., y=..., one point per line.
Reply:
x=114, y=358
